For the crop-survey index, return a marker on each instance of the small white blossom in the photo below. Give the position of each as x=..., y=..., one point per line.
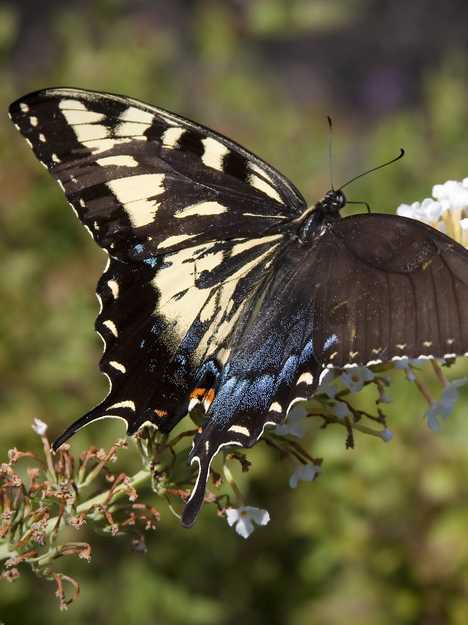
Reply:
x=305, y=472
x=295, y=423
x=355, y=378
x=243, y=519
x=39, y=427
x=429, y=210
x=327, y=386
x=444, y=406
x=407, y=365
x=445, y=211
x=386, y=435
x=341, y=410
x=453, y=195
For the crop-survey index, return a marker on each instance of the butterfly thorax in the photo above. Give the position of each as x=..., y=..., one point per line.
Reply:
x=325, y=210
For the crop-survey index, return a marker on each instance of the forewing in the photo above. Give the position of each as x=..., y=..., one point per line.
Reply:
x=387, y=287
x=145, y=181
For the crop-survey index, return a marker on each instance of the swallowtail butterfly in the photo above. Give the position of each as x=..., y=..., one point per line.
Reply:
x=222, y=286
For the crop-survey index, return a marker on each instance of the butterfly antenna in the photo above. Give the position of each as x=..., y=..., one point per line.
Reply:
x=330, y=150
x=393, y=160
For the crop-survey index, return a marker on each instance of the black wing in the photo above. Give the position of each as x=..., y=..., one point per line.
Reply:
x=193, y=224
x=271, y=364
x=366, y=289
x=145, y=181
x=385, y=287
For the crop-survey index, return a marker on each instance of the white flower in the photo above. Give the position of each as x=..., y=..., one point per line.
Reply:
x=244, y=517
x=327, y=386
x=445, y=211
x=295, y=424
x=443, y=407
x=386, y=435
x=407, y=365
x=341, y=410
x=453, y=195
x=39, y=427
x=355, y=378
x=305, y=472
x=429, y=210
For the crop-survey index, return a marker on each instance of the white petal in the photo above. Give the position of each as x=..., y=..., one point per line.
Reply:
x=294, y=424
x=432, y=421
x=405, y=210
x=261, y=517
x=39, y=427
x=306, y=472
x=294, y=480
x=387, y=435
x=244, y=527
x=232, y=516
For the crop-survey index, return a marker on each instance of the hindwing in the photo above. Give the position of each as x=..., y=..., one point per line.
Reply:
x=386, y=287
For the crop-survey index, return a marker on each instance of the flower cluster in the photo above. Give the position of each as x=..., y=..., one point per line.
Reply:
x=446, y=210
x=444, y=406
x=36, y=504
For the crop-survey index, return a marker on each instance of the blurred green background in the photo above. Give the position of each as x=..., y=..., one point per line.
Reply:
x=381, y=537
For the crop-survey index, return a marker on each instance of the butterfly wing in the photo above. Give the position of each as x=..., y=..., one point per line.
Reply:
x=365, y=290
x=145, y=181
x=388, y=287
x=270, y=365
x=192, y=223
x=165, y=326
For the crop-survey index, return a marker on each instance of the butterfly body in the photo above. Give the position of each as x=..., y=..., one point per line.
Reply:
x=222, y=287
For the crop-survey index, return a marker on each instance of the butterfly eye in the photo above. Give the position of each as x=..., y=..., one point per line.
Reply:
x=339, y=199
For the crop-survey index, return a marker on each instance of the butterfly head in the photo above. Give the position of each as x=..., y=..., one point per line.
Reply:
x=331, y=204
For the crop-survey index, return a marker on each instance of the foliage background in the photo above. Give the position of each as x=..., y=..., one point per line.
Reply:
x=381, y=536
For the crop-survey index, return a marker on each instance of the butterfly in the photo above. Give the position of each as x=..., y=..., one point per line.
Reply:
x=222, y=286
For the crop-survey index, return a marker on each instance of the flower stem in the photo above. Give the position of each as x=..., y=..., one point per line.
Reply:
x=107, y=497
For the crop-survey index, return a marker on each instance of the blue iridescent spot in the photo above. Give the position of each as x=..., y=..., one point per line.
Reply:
x=181, y=359
x=307, y=352
x=152, y=261
x=288, y=370
x=331, y=340
x=138, y=248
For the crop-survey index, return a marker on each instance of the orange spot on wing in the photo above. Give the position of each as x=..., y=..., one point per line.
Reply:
x=210, y=395
x=161, y=413
x=203, y=394
x=198, y=393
